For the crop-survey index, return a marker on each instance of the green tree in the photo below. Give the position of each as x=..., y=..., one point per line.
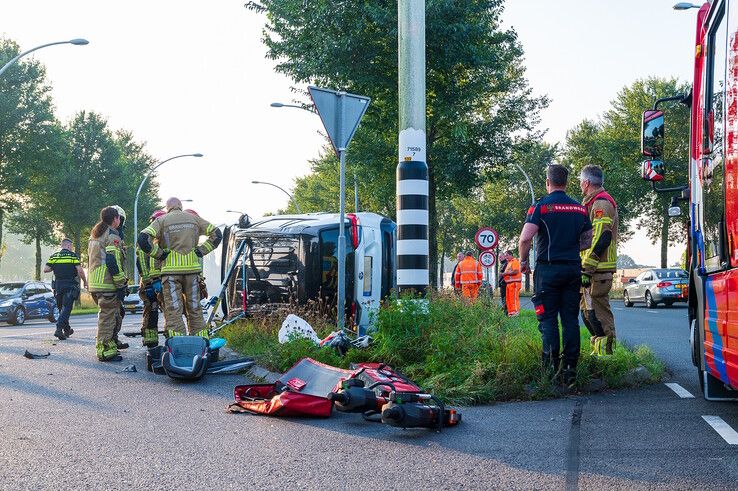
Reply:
x=614, y=143
x=26, y=124
x=33, y=226
x=478, y=100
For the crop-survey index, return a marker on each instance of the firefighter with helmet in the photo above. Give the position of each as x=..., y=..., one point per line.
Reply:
x=107, y=281
x=468, y=277
x=149, y=290
x=120, y=230
x=173, y=239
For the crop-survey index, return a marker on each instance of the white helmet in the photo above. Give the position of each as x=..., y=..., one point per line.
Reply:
x=121, y=212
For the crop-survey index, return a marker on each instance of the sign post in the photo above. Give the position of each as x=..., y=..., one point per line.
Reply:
x=340, y=113
x=488, y=239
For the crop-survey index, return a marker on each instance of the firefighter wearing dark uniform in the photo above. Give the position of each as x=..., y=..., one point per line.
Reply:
x=563, y=230
x=67, y=270
x=108, y=282
x=149, y=291
x=173, y=239
x=599, y=260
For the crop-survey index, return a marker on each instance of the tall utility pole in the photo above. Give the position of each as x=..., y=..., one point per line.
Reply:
x=412, y=169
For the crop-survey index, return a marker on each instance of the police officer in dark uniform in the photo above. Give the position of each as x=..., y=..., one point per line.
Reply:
x=563, y=228
x=67, y=269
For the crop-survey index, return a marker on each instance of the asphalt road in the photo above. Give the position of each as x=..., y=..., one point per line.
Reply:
x=70, y=422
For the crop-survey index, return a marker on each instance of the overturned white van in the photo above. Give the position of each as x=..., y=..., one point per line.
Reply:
x=293, y=258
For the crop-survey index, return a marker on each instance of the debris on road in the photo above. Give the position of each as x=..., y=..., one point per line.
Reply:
x=129, y=368
x=34, y=356
x=295, y=327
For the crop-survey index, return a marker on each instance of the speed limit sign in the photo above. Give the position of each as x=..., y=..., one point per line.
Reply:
x=486, y=238
x=488, y=259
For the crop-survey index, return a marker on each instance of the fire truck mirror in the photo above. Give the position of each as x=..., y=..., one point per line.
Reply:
x=652, y=170
x=652, y=134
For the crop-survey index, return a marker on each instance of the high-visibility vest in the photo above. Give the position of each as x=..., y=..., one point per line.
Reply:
x=512, y=265
x=469, y=272
x=601, y=222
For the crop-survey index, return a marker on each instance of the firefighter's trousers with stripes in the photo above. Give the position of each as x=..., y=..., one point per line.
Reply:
x=182, y=297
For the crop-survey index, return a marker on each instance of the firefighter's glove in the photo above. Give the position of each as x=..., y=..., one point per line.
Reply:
x=586, y=280
x=121, y=293
x=198, y=252
x=156, y=285
x=149, y=292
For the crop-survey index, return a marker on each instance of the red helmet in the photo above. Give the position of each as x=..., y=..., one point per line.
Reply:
x=157, y=214
x=191, y=212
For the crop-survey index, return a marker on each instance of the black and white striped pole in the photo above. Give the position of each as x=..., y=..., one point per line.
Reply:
x=412, y=169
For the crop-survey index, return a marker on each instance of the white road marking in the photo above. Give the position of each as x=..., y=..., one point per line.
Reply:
x=723, y=429
x=48, y=332
x=652, y=311
x=680, y=391
x=617, y=308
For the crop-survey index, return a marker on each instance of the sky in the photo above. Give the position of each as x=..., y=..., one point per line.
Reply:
x=190, y=76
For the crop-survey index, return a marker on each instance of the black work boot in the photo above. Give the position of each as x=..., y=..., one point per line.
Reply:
x=60, y=334
x=112, y=358
x=68, y=331
x=569, y=376
x=120, y=344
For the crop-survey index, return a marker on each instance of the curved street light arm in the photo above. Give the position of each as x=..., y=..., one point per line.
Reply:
x=292, y=198
x=135, y=202
x=19, y=56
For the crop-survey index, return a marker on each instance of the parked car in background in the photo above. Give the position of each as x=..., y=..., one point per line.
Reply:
x=27, y=300
x=132, y=302
x=656, y=286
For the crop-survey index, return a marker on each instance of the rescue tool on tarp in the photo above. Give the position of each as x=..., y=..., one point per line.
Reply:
x=375, y=390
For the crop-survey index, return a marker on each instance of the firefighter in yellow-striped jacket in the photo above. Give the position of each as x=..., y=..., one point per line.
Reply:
x=149, y=291
x=107, y=281
x=599, y=260
x=173, y=239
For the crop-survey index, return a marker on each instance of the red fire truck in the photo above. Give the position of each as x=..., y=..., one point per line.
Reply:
x=712, y=194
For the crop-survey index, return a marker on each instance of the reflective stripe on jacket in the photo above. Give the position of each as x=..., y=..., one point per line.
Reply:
x=512, y=265
x=101, y=279
x=148, y=267
x=603, y=214
x=179, y=233
x=468, y=272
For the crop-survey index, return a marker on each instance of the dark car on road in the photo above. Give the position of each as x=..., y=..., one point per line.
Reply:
x=656, y=286
x=27, y=300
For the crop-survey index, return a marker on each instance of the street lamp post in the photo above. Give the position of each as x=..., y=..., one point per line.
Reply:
x=76, y=42
x=292, y=198
x=135, y=203
x=685, y=6
x=533, y=203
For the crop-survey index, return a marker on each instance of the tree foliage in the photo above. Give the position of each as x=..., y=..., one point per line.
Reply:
x=478, y=101
x=26, y=121
x=613, y=142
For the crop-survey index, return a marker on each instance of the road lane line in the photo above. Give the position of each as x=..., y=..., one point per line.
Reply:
x=723, y=429
x=652, y=311
x=48, y=332
x=680, y=391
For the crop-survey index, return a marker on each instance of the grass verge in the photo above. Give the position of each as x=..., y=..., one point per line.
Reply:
x=465, y=353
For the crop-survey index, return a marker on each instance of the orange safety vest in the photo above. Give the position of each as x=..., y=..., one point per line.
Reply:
x=469, y=272
x=512, y=265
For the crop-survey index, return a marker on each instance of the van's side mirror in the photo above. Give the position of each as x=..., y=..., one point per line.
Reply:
x=653, y=170
x=652, y=134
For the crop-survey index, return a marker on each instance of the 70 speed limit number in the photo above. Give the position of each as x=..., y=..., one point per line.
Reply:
x=486, y=238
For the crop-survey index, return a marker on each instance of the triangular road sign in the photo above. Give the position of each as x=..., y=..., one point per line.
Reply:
x=340, y=112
